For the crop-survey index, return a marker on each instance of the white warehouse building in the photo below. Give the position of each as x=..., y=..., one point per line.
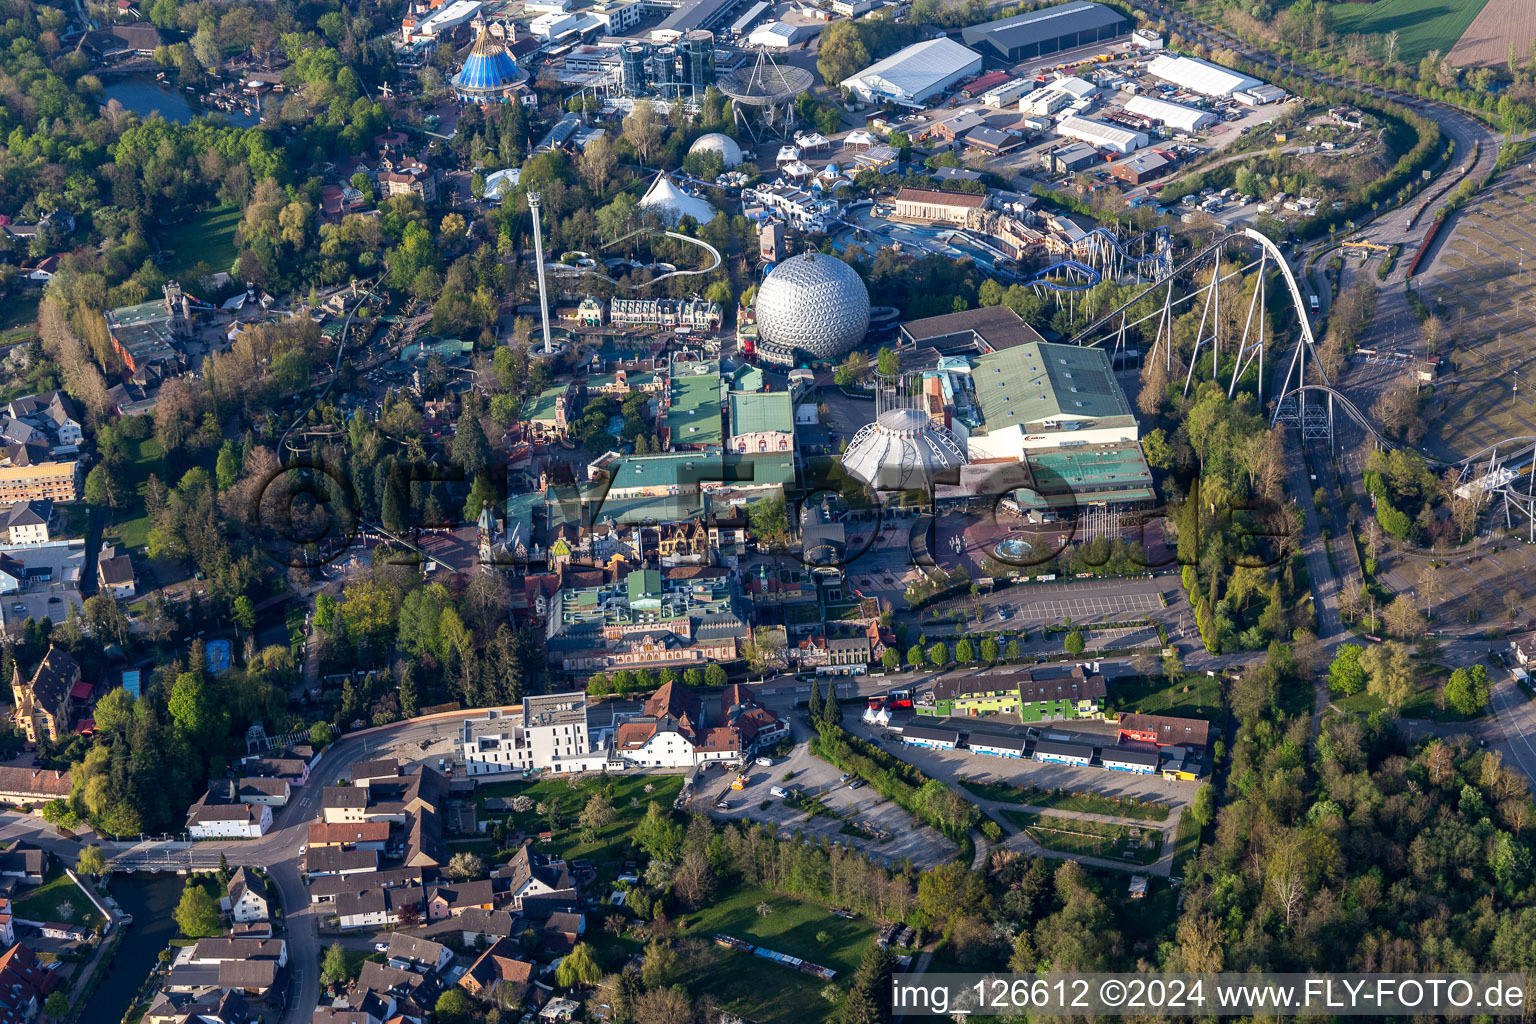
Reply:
x=913, y=74
x=1101, y=135
x=1174, y=115
x=1199, y=75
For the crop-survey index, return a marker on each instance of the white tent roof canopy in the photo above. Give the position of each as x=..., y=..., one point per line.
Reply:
x=1199, y=76
x=672, y=203
x=917, y=69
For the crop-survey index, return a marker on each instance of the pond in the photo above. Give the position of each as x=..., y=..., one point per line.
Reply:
x=150, y=899
x=144, y=95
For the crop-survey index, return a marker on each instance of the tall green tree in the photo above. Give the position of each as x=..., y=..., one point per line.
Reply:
x=197, y=914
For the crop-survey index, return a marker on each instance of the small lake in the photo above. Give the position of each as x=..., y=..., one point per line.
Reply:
x=143, y=95
x=150, y=899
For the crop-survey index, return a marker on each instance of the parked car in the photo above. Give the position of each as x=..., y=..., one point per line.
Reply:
x=766, y=762
x=381, y=947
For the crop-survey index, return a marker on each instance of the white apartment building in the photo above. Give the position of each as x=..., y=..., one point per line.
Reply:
x=229, y=821
x=550, y=734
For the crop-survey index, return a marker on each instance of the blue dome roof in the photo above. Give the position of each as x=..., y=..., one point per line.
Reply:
x=489, y=68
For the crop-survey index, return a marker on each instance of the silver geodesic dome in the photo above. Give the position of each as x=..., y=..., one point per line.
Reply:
x=813, y=302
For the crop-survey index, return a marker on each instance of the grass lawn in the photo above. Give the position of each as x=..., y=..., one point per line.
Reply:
x=131, y=528
x=1186, y=843
x=1195, y=697
x=355, y=959
x=1422, y=703
x=1422, y=25
x=759, y=989
x=59, y=899
x=627, y=795
x=1089, y=838
x=1068, y=800
x=208, y=238
x=18, y=317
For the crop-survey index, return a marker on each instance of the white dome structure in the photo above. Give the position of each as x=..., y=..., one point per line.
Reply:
x=672, y=204
x=815, y=303
x=902, y=451
x=715, y=142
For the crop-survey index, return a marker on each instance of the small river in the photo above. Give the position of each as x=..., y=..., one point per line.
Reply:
x=150, y=899
x=143, y=95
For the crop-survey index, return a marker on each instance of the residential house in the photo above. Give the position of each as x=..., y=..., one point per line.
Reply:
x=20, y=785
x=339, y=860
x=533, y=879
x=217, y=815
x=24, y=983
x=482, y=926
x=452, y=899
x=418, y=952
x=375, y=908
x=115, y=573
x=499, y=974
x=45, y=704
x=397, y=982
x=328, y=888
x=219, y=950
x=365, y=773
x=23, y=862
x=26, y=523
x=362, y=835
x=293, y=770
x=272, y=792
x=246, y=897
x=757, y=726
x=564, y=929
x=212, y=1006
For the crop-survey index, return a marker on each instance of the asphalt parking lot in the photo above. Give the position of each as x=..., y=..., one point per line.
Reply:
x=817, y=778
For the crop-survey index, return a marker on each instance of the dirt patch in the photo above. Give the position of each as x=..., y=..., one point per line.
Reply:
x=1498, y=25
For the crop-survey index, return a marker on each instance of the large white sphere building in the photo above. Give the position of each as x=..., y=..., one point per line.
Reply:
x=813, y=302
x=714, y=142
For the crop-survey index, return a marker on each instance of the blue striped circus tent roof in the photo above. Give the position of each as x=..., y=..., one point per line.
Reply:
x=489, y=68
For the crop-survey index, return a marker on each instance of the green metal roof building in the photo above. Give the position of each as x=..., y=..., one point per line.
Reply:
x=762, y=421
x=693, y=416
x=1043, y=395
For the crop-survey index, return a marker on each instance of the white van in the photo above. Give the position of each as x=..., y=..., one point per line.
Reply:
x=777, y=791
x=766, y=762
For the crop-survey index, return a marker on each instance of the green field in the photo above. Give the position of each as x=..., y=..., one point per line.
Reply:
x=1421, y=25
x=1068, y=800
x=627, y=795
x=131, y=528
x=209, y=238
x=59, y=899
x=1186, y=843
x=18, y=317
x=1422, y=703
x=1089, y=838
x=1197, y=696
x=759, y=989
